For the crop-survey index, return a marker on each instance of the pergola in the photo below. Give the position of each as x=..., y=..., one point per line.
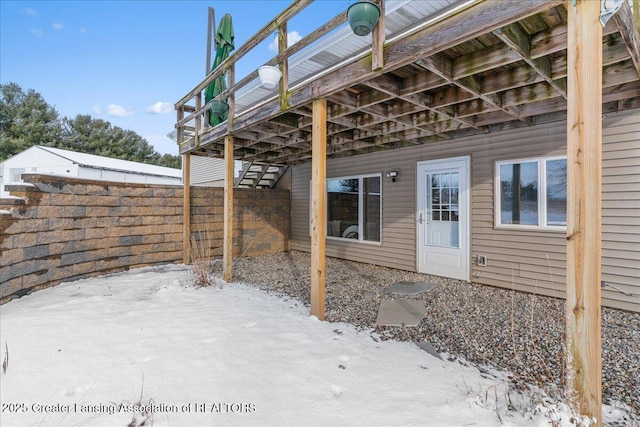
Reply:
x=472, y=67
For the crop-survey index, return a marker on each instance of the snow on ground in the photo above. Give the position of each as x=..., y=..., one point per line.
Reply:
x=92, y=352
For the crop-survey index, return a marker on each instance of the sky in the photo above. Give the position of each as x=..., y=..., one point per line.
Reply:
x=129, y=62
x=229, y=355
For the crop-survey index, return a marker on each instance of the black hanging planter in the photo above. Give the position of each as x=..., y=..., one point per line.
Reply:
x=363, y=16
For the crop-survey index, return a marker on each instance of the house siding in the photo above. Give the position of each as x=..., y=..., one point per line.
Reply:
x=532, y=261
x=207, y=171
x=621, y=208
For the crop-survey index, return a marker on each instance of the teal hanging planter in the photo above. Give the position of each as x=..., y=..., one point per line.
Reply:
x=219, y=108
x=363, y=16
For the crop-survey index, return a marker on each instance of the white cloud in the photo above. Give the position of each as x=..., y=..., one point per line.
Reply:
x=119, y=110
x=97, y=110
x=57, y=26
x=29, y=11
x=292, y=37
x=36, y=32
x=160, y=108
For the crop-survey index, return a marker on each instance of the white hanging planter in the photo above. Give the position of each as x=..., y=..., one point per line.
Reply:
x=269, y=76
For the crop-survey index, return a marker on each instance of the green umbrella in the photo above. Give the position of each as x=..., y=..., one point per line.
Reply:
x=224, y=45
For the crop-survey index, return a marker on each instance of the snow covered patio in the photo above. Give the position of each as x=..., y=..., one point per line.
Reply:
x=232, y=355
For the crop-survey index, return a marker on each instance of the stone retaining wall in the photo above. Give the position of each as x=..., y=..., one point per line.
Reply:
x=62, y=229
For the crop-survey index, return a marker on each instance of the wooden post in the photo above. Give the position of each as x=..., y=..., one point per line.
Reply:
x=584, y=179
x=186, y=192
x=211, y=31
x=227, y=269
x=318, y=205
x=284, y=65
x=186, y=208
x=377, y=40
x=198, y=120
x=231, y=100
x=211, y=28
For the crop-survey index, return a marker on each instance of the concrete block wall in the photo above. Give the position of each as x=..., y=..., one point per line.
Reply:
x=261, y=221
x=57, y=229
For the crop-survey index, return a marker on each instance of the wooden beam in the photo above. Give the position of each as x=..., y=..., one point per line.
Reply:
x=466, y=25
x=284, y=65
x=377, y=40
x=227, y=262
x=318, y=206
x=629, y=32
x=515, y=37
x=584, y=220
x=186, y=192
x=186, y=208
x=231, y=100
x=243, y=173
x=198, y=119
x=211, y=24
x=441, y=66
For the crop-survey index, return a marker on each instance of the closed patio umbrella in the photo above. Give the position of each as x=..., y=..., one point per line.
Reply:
x=224, y=45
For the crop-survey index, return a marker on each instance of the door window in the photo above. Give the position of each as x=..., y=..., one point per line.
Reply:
x=443, y=197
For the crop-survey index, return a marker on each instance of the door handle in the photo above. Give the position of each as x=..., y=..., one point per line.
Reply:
x=420, y=217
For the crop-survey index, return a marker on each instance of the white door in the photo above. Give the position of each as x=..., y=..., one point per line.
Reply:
x=443, y=217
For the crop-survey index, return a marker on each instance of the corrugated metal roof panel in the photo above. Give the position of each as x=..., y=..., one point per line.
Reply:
x=342, y=44
x=92, y=160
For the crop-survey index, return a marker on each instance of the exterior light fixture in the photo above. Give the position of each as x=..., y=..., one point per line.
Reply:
x=363, y=16
x=393, y=175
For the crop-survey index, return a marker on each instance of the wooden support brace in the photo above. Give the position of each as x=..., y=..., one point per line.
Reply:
x=318, y=206
x=231, y=100
x=186, y=209
x=584, y=220
x=377, y=40
x=227, y=261
x=284, y=65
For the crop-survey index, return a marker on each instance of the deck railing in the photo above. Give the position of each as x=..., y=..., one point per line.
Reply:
x=191, y=113
x=191, y=122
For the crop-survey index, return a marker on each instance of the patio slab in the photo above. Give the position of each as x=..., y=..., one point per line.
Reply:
x=400, y=313
x=409, y=288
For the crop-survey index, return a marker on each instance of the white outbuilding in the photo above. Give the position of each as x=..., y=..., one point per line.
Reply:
x=55, y=161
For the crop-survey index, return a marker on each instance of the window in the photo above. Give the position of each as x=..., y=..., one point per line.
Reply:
x=354, y=208
x=532, y=193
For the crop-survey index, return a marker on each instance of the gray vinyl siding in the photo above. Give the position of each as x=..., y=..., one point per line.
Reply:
x=532, y=261
x=398, y=236
x=621, y=208
x=206, y=170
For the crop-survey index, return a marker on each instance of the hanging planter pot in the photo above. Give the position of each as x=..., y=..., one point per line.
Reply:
x=269, y=76
x=363, y=16
x=219, y=108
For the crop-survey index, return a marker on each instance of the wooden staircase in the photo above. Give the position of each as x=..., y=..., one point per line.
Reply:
x=259, y=175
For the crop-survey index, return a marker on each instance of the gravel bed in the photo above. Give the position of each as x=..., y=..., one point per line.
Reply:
x=513, y=331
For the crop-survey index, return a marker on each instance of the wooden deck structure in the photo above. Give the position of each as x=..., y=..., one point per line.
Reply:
x=475, y=67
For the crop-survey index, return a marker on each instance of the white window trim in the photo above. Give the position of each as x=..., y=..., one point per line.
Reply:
x=360, y=179
x=360, y=211
x=542, y=195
